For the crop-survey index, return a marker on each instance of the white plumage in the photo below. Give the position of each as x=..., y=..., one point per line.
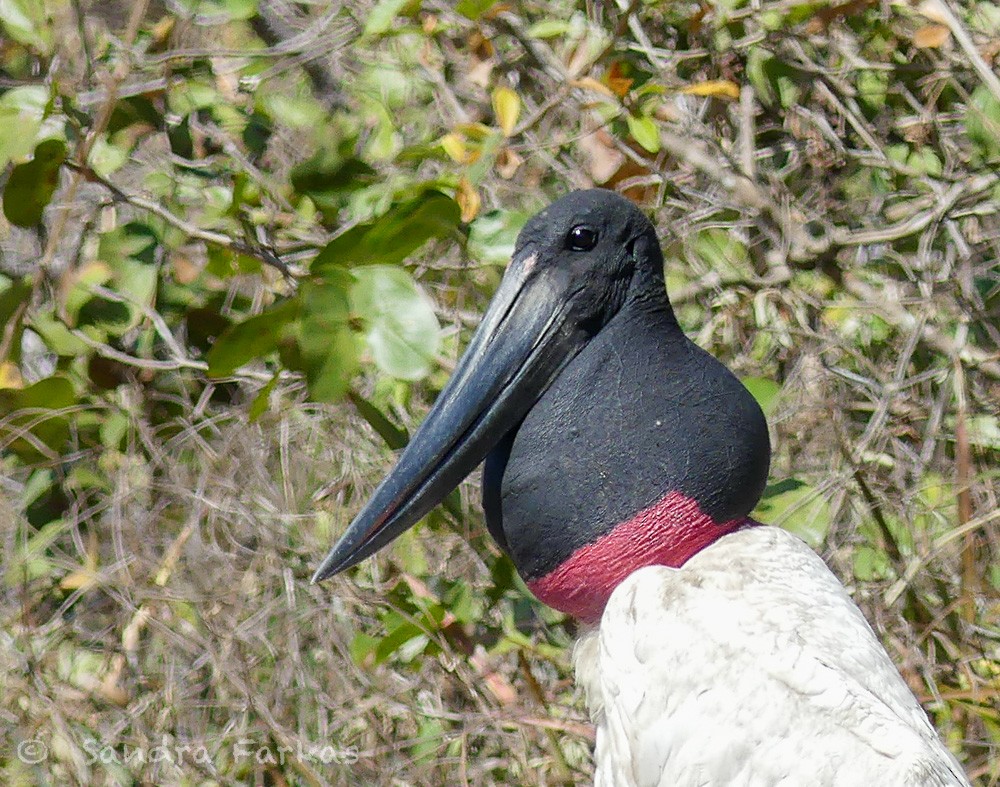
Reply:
x=750, y=666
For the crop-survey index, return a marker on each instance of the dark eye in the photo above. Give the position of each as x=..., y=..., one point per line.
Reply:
x=581, y=238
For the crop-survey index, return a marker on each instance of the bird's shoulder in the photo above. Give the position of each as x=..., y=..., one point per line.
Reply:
x=751, y=665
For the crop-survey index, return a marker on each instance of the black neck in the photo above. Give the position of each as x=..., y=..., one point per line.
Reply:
x=639, y=413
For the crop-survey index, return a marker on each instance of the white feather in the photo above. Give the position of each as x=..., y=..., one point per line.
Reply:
x=750, y=666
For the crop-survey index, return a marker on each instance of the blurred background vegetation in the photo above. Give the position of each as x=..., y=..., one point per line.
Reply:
x=242, y=245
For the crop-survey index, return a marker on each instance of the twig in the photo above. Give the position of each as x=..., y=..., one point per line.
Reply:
x=990, y=79
x=191, y=230
x=562, y=765
x=87, y=142
x=899, y=317
x=918, y=563
x=963, y=475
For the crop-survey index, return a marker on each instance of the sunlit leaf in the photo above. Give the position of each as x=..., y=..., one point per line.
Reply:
x=871, y=564
x=473, y=9
x=548, y=28
x=644, y=131
x=492, y=235
x=106, y=158
x=22, y=110
x=25, y=22
x=931, y=36
x=765, y=391
x=381, y=17
x=507, y=108
x=400, y=325
x=454, y=145
x=716, y=88
x=10, y=375
x=589, y=83
x=982, y=122
x=468, y=200
x=798, y=508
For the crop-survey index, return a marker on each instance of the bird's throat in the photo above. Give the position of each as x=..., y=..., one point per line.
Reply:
x=667, y=533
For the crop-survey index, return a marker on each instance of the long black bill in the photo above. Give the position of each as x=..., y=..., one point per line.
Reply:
x=524, y=340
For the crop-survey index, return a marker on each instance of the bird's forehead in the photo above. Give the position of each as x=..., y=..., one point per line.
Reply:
x=601, y=210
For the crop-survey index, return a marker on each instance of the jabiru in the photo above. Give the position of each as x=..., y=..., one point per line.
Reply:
x=621, y=464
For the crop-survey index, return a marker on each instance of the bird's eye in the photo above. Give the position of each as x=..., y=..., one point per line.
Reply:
x=581, y=238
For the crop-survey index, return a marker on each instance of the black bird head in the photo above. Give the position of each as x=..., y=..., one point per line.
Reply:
x=584, y=291
x=574, y=266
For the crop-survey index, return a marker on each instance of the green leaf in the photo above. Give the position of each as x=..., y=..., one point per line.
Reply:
x=298, y=111
x=329, y=353
x=24, y=21
x=13, y=295
x=381, y=17
x=870, y=564
x=873, y=88
x=106, y=158
x=410, y=555
x=394, y=436
x=983, y=431
x=548, y=28
x=253, y=338
x=261, y=401
x=643, y=130
x=473, y=9
x=431, y=736
x=721, y=251
x=22, y=110
x=492, y=235
x=188, y=96
x=56, y=335
x=31, y=186
x=362, y=647
x=393, y=237
x=764, y=391
x=239, y=9
x=982, y=123
x=328, y=177
x=30, y=562
x=36, y=409
x=773, y=80
x=400, y=325
x=798, y=508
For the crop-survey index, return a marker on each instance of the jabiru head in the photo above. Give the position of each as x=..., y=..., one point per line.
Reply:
x=610, y=441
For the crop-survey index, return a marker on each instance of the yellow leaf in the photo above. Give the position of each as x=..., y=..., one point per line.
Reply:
x=10, y=375
x=78, y=580
x=468, y=200
x=454, y=146
x=477, y=132
x=507, y=163
x=507, y=108
x=589, y=83
x=617, y=80
x=715, y=88
x=930, y=36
